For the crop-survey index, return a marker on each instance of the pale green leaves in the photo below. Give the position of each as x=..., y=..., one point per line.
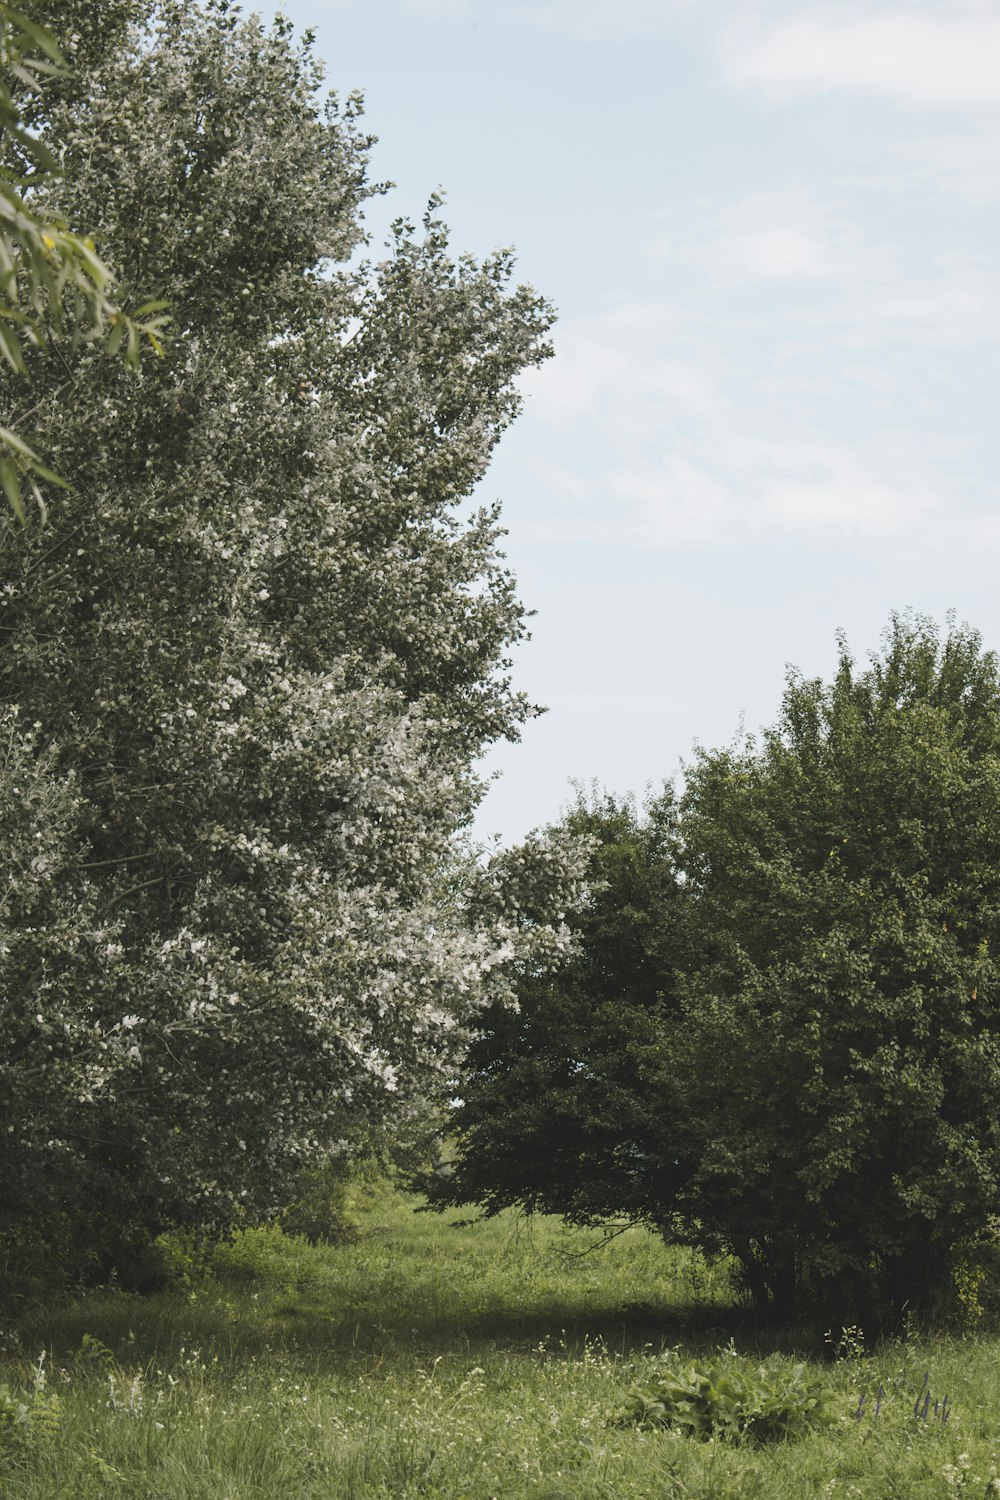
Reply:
x=20, y=467
x=54, y=287
x=267, y=640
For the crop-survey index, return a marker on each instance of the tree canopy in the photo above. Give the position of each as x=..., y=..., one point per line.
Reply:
x=249, y=667
x=781, y=1038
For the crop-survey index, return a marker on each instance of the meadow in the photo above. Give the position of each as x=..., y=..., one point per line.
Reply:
x=474, y=1361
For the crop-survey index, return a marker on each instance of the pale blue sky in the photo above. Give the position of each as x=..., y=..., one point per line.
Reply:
x=771, y=229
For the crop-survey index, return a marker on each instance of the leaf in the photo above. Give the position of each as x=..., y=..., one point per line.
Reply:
x=11, y=482
x=10, y=348
x=118, y=331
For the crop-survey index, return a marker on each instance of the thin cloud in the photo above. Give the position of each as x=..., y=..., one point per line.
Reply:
x=734, y=485
x=717, y=459
x=834, y=275
x=965, y=163
x=626, y=703
x=777, y=235
x=580, y=20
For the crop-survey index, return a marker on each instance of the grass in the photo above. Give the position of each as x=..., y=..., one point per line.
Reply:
x=464, y=1362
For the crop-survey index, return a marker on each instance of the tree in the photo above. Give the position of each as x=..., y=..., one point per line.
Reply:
x=825, y=1099
x=53, y=284
x=552, y=1109
x=258, y=656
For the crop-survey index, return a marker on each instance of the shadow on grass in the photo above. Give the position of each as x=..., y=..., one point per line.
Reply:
x=305, y=1328
x=414, y=1286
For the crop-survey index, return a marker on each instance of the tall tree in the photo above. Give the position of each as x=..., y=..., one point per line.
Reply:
x=258, y=655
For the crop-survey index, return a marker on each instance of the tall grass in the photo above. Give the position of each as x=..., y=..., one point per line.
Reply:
x=468, y=1362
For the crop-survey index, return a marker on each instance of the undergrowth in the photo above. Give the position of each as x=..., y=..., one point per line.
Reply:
x=489, y=1362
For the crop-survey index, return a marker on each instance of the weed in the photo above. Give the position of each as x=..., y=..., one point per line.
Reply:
x=728, y=1401
x=28, y=1419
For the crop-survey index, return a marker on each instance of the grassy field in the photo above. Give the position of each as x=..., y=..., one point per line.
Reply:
x=468, y=1362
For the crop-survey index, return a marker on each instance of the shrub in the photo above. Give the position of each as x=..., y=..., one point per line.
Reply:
x=726, y=1400
x=265, y=1255
x=777, y=1038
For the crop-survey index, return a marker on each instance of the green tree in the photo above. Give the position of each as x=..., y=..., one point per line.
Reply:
x=553, y=1107
x=256, y=658
x=826, y=1095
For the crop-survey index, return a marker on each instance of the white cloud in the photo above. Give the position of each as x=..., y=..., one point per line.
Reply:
x=929, y=57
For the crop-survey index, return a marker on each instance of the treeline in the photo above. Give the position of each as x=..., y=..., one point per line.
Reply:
x=779, y=1036
x=251, y=659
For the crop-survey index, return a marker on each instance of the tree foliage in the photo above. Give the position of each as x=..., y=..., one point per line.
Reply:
x=807, y=1077
x=252, y=665
x=554, y=1111
x=53, y=284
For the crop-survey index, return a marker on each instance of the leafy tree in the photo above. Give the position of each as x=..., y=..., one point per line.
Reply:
x=257, y=658
x=824, y=1105
x=52, y=281
x=553, y=1104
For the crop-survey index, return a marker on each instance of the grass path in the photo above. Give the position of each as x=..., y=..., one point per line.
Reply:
x=463, y=1362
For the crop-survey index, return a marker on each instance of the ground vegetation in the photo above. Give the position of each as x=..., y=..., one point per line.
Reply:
x=470, y=1363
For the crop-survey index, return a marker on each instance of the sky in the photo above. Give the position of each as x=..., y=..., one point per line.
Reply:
x=769, y=228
